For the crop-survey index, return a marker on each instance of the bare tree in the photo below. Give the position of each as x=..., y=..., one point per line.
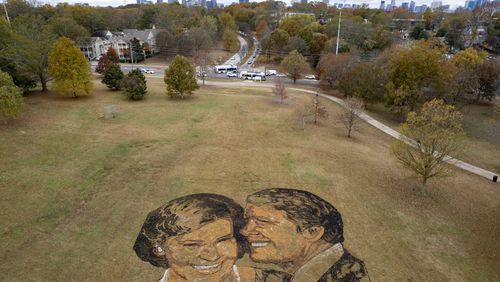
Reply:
x=349, y=116
x=316, y=109
x=202, y=59
x=279, y=89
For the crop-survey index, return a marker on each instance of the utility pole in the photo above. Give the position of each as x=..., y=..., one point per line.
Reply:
x=131, y=55
x=6, y=13
x=338, y=35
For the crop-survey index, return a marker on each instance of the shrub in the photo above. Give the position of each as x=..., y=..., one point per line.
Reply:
x=134, y=85
x=113, y=77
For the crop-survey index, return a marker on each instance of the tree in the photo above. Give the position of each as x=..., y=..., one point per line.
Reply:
x=294, y=65
x=419, y=32
x=201, y=39
x=67, y=27
x=134, y=85
x=180, y=78
x=230, y=40
x=279, y=89
x=291, y=25
x=261, y=28
x=349, y=116
x=137, y=52
x=411, y=72
x=316, y=109
x=455, y=26
x=297, y=43
x=113, y=77
x=331, y=45
x=107, y=60
x=468, y=58
x=70, y=69
x=489, y=80
x=428, y=18
x=278, y=40
x=365, y=81
x=6, y=64
x=29, y=48
x=331, y=68
x=429, y=137
x=11, y=98
x=316, y=46
x=473, y=77
x=202, y=59
x=227, y=22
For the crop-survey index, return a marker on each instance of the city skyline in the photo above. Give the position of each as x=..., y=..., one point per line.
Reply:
x=371, y=3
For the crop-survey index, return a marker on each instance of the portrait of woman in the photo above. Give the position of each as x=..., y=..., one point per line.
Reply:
x=195, y=238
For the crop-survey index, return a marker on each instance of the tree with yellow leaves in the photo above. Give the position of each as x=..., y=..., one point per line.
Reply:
x=70, y=69
x=429, y=138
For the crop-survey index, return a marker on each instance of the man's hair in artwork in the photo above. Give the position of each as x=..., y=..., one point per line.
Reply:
x=180, y=216
x=303, y=208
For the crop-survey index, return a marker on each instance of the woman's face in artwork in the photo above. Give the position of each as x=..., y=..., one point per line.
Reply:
x=204, y=254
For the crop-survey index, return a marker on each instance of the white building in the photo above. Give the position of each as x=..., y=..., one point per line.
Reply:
x=100, y=41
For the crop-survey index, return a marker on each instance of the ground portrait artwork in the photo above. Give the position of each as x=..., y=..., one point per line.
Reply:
x=289, y=235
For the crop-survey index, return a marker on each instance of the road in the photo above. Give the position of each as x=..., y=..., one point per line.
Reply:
x=238, y=56
x=248, y=64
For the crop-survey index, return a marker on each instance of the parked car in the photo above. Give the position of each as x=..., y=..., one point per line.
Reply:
x=310, y=76
x=249, y=62
x=148, y=71
x=232, y=74
x=257, y=78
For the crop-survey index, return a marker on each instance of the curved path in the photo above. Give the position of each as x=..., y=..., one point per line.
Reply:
x=370, y=120
x=238, y=56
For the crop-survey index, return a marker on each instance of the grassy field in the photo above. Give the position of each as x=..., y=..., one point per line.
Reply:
x=75, y=188
x=482, y=126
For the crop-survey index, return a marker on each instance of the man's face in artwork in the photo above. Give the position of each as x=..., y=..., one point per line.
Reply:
x=204, y=254
x=273, y=237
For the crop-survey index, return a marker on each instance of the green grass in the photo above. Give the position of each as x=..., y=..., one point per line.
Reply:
x=75, y=188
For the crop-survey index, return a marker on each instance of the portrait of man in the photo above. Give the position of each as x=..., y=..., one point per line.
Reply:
x=300, y=233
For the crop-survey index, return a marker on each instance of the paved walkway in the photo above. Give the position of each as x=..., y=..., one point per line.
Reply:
x=370, y=120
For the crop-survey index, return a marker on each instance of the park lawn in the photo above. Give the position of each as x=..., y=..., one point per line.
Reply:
x=482, y=127
x=75, y=188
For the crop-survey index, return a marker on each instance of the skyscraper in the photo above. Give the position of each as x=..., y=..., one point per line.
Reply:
x=436, y=4
x=412, y=6
x=382, y=5
x=393, y=5
x=405, y=5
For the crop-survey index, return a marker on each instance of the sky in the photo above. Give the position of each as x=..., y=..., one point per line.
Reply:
x=372, y=3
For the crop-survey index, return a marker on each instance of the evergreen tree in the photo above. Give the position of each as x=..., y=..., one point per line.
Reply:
x=134, y=85
x=113, y=77
x=180, y=78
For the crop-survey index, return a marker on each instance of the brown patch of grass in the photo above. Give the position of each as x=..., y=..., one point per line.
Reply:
x=75, y=188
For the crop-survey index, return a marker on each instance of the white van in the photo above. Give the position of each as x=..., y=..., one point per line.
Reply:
x=271, y=72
